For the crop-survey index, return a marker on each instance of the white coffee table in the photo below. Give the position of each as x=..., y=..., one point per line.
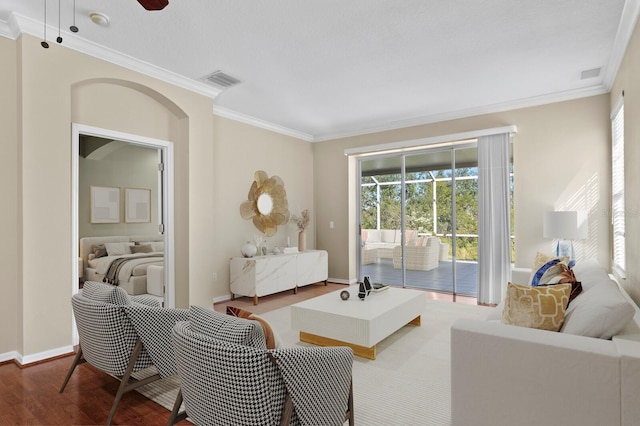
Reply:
x=330, y=321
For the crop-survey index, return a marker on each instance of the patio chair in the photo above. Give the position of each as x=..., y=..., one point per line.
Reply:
x=108, y=338
x=423, y=257
x=227, y=382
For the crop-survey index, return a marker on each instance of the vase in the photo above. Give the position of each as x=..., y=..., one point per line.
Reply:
x=301, y=241
x=248, y=250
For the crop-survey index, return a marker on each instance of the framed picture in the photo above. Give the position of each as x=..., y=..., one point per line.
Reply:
x=105, y=204
x=137, y=205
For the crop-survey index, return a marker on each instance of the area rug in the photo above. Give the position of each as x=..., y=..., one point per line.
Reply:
x=407, y=384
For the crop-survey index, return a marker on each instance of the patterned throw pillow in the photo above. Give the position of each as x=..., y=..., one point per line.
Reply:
x=553, y=270
x=269, y=335
x=536, y=307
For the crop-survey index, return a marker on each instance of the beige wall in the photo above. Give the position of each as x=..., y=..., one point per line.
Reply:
x=241, y=150
x=9, y=193
x=628, y=79
x=561, y=161
x=128, y=166
x=51, y=89
x=53, y=84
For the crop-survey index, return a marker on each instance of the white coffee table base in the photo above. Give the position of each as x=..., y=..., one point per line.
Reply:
x=329, y=321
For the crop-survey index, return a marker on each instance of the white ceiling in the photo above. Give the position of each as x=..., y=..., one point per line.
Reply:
x=320, y=69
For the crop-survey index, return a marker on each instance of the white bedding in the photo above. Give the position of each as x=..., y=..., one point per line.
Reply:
x=101, y=264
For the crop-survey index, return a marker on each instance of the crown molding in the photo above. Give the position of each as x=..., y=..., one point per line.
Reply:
x=630, y=13
x=19, y=24
x=470, y=112
x=256, y=122
x=10, y=29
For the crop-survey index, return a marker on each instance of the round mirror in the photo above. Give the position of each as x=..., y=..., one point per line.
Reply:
x=265, y=204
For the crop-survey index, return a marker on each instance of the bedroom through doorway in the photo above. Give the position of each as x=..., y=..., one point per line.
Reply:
x=123, y=212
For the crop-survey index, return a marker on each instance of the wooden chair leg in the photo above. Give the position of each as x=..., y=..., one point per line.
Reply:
x=125, y=385
x=177, y=416
x=77, y=360
x=287, y=411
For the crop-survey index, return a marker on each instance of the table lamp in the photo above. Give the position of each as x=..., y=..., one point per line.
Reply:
x=565, y=227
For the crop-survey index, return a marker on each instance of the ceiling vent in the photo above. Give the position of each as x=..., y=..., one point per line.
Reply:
x=595, y=72
x=221, y=79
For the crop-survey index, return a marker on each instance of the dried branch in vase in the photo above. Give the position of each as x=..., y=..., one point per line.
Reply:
x=303, y=220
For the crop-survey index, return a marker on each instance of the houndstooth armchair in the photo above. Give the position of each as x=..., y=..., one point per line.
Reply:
x=116, y=339
x=226, y=381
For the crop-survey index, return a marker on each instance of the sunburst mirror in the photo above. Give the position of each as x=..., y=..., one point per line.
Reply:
x=266, y=204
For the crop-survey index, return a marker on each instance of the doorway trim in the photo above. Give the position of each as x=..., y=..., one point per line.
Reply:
x=167, y=202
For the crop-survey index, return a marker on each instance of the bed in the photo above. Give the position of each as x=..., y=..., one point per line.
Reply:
x=121, y=260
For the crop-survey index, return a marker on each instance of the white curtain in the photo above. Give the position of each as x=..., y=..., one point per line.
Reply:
x=494, y=257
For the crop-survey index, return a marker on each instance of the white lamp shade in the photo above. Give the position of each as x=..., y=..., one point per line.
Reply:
x=565, y=225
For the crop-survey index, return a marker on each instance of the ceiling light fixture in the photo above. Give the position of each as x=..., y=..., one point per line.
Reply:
x=59, y=38
x=44, y=43
x=73, y=28
x=99, y=19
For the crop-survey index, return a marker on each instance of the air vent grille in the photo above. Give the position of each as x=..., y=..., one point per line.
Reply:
x=221, y=79
x=595, y=72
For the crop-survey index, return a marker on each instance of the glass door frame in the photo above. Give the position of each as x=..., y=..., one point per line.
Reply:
x=452, y=147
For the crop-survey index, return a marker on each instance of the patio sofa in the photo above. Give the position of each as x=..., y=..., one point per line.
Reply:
x=506, y=375
x=385, y=240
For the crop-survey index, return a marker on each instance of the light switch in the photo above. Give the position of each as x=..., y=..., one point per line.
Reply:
x=331, y=224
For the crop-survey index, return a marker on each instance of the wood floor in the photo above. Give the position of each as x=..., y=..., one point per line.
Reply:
x=29, y=396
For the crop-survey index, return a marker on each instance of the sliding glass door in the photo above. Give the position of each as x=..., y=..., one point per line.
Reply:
x=418, y=216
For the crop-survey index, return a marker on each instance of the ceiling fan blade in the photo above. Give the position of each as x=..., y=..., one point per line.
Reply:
x=154, y=4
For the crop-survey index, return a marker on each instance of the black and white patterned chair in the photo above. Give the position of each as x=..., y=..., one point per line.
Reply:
x=153, y=326
x=229, y=378
x=110, y=342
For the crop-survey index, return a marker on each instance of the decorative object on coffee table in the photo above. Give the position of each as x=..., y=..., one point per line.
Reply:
x=266, y=204
x=344, y=294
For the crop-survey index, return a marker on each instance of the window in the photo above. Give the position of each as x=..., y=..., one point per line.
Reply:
x=617, y=190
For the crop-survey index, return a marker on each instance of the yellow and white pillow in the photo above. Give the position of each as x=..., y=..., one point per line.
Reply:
x=536, y=307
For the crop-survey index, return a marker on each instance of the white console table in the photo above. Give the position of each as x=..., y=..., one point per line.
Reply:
x=263, y=275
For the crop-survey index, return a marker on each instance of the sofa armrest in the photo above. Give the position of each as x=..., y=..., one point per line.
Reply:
x=506, y=375
x=521, y=276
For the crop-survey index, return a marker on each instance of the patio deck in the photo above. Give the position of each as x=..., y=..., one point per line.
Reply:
x=439, y=279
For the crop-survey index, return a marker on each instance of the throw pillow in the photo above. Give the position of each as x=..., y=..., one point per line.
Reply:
x=271, y=339
x=601, y=312
x=142, y=248
x=227, y=328
x=556, y=272
x=99, y=250
x=536, y=307
x=118, y=249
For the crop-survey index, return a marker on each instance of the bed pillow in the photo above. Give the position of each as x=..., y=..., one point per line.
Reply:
x=98, y=250
x=227, y=328
x=157, y=246
x=142, y=248
x=536, y=307
x=118, y=249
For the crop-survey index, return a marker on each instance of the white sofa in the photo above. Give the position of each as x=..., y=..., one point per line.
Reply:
x=385, y=240
x=508, y=375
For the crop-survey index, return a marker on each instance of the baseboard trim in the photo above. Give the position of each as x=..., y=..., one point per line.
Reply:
x=8, y=357
x=26, y=360
x=341, y=281
x=221, y=298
